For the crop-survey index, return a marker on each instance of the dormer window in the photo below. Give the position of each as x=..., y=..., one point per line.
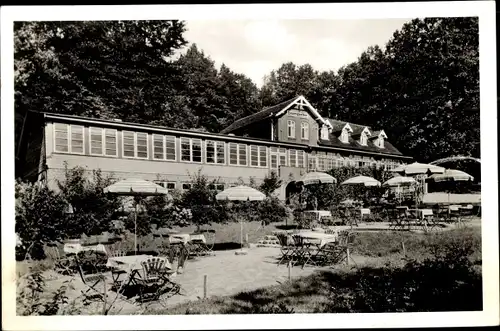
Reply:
x=363, y=138
x=324, y=133
x=344, y=137
x=380, y=142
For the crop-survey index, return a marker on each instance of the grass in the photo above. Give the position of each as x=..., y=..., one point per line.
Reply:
x=391, y=285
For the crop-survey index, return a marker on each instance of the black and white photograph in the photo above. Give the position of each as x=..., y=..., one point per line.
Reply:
x=191, y=160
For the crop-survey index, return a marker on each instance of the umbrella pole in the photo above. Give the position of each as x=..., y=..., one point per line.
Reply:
x=241, y=234
x=135, y=229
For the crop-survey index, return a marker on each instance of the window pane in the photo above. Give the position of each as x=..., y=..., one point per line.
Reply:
x=170, y=186
x=300, y=159
x=186, y=186
x=158, y=152
x=263, y=156
x=221, y=157
x=233, y=154
x=170, y=147
x=76, y=139
x=292, y=159
x=142, y=145
x=196, y=150
x=274, y=161
x=283, y=160
x=110, y=142
x=242, y=154
x=95, y=141
x=185, y=149
x=210, y=151
x=62, y=144
x=128, y=144
x=254, y=156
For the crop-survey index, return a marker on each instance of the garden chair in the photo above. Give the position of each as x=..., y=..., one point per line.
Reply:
x=200, y=248
x=62, y=265
x=454, y=215
x=303, y=251
x=285, y=247
x=156, y=281
x=91, y=278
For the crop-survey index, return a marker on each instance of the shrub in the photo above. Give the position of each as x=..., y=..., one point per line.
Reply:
x=39, y=218
x=270, y=183
x=93, y=210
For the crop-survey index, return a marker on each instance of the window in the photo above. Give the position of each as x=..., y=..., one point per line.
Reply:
x=68, y=138
x=135, y=144
x=170, y=186
x=242, y=154
x=170, y=150
x=304, y=131
x=324, y=133
x=292, y=158
x=282, y=153
x=191, y=150
x=96, y=141
x=110, y=142
x=186, y=186
x=344, y=137
x=311, y=162
x=237, y=154
x=128, y=144
x=381, y=142
x=291, y=129
x=215, y=152
x=300, y=159
x=273, y=158
x=363, y=139
x=158, y=147
x=61, y=133
x=263, y=156
x=258, y=156
x=216, y=187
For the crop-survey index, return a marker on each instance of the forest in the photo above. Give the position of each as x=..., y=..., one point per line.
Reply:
x=422, y=87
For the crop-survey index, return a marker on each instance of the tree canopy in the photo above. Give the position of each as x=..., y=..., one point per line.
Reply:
x=422, y=87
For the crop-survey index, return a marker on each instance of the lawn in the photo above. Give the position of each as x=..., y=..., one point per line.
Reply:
x=443, y=266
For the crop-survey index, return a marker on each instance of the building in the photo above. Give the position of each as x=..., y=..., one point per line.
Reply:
x=290, y=138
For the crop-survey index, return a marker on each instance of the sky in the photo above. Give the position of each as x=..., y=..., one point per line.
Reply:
x=256, y=47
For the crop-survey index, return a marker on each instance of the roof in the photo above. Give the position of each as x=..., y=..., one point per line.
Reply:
x=339, y=125
x=266, y=112
x=334, y=141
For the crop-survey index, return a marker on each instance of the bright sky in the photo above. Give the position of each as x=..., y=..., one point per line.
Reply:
x=255, y=47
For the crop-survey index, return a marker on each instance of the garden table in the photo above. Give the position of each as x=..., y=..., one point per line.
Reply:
x=423, y=215
x=75, y=248
x=312, y=242
x=186, y=237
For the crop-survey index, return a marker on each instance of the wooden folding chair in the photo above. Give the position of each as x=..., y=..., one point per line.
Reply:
x=285, y=247
x=156, y=281
x=62, y=265
x=91, y=280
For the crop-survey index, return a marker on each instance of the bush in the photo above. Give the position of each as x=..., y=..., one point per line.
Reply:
x=40, y=218
x=93, y=210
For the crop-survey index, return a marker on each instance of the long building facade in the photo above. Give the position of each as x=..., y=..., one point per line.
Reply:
x=290, y=138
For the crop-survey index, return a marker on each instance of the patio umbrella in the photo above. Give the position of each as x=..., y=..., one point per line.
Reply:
x=399, y=181
x=450, y=175
x=241, y=193
x=317, y=178
x=361, y=180
x=136, y=187
x=418, y=169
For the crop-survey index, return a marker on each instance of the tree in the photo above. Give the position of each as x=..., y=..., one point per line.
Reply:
x=270, y=183
x=40, y=217
x=105, y=69
x=93, y=210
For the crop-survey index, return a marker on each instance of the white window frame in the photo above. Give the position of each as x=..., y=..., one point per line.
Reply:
x=344, y=136
x=69, y=139
x=163, y=147
x=186, y=189
x=259, y=159
x=304, y=128
x=324, y=133
x=191, y=150
x=290, y=127
x=216, y=145
x=295, y=153
x=266, y=157
x=90, y=141
x=105, y=144
x=215, y=187
x=363, y=139
x=238, y=164
x=175, y=148
x=136, y=151
x=380, y=142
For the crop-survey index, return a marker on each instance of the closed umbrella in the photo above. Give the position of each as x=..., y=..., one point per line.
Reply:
x=450, y=175
x=241, y=193
x=135, y=187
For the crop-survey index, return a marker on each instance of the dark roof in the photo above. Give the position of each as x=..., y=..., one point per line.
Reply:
x=354, y=144
x=266, y=112
x=339, y=125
